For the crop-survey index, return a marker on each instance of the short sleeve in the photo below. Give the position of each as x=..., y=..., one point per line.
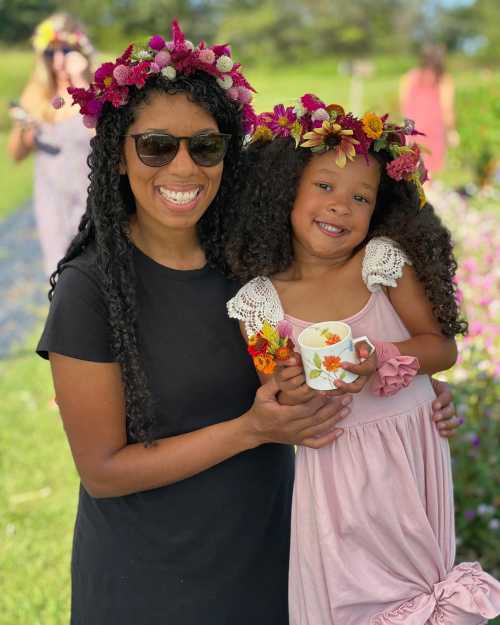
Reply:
x=77, y=324
x=256, y=302
x=383, y=263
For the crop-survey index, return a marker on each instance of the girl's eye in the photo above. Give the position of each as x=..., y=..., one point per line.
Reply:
x=361, y=198
x=325, y=186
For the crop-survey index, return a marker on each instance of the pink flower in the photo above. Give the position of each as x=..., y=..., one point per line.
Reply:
x=285, y=328
x=403, y=166
x=245, y=95
x=282, y=120
x=206, y=56
x=120, y=74
x=57, y=102
x=162, y=58
x=157, y=42
x=233, y=93
x=89, y=121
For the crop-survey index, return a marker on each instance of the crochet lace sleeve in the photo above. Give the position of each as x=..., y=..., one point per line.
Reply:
x=255, y=303
x=383, y=263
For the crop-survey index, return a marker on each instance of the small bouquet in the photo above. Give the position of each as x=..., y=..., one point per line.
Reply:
x=271, y=345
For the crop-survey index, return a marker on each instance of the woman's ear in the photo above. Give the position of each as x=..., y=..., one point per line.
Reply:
x=122, y=167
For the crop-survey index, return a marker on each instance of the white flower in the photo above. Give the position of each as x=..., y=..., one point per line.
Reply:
x=226, y=82
x=320, y=115
x=494, y=524
x=224, y=63
x=299, y=109
x=189, y=44
x=144, y=55
x=169, y=72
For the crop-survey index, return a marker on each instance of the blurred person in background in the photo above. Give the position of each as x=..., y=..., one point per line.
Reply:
x=427, y=96
x=56, y=135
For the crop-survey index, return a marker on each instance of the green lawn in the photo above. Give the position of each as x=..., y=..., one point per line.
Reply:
x=38, y=492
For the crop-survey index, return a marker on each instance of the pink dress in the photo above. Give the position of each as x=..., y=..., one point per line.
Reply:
x=372, y=536
x=422, y=103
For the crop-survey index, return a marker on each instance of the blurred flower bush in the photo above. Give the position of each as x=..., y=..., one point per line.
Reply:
x=474, y=224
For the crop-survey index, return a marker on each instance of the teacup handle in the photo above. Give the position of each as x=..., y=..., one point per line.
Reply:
x=366, y=340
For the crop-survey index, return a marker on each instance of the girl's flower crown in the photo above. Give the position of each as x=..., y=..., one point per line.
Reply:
x=112, y=81
x=47, y=34
x=314, y=125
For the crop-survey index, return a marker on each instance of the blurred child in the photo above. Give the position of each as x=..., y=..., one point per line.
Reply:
x=333, y=225
x=60, y=142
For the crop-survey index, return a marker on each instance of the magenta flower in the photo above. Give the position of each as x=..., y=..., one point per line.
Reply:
x=311, y=103
x=282, y=120
x=157, y=42
x=104, y=75
x=349, y=122
x=57, y=102
x=403, y=166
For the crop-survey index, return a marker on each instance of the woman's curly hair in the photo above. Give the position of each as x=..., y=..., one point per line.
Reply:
x=105, y=225
x=261, y=240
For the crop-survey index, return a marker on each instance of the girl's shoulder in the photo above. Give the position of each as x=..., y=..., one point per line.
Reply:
x=257, y=301
x=383, y=263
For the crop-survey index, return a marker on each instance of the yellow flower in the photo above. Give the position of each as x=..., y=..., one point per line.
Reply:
x=331, y=136
x=262, y=133
x=45, y=34
x=372, y=125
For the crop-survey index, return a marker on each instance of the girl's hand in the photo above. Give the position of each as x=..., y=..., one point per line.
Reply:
x=367, y=366
x=291, y=381
x=444, y=414
x=312, y=423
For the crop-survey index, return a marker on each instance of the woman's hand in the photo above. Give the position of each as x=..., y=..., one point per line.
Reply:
x=75, y=66
x=444, y=414
x=310, y=423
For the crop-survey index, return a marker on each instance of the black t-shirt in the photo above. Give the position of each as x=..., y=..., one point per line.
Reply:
x=208, y=550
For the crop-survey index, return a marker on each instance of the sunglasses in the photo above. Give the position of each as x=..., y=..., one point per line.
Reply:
x=49, y=52
x=156, y=149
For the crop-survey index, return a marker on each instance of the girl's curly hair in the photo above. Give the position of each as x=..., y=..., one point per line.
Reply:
x=261, y=240
x=105, y=225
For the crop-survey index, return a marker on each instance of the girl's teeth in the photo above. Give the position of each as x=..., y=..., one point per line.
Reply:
x=179, y=197
x=330, y=228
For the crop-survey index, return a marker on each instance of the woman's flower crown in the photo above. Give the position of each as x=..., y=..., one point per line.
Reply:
x=112, y=81
x=47, y=34
x=314, y=125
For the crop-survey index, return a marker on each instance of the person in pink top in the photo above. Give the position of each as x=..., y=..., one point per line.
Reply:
x=334, y=225
x=427, y=97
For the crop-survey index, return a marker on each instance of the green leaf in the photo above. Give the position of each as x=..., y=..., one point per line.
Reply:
x=315, y=373
x=317, y=360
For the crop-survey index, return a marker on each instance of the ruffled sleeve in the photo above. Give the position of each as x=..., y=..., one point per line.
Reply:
x=383, y=263
x=255, y=303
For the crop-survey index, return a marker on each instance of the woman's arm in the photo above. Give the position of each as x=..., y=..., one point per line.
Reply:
x=91, y=401
x=434, y=351
x=21, y=141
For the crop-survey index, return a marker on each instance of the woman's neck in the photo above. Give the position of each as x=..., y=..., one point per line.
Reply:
x=177, y=249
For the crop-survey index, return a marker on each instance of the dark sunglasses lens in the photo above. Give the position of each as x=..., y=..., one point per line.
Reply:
x=208, y=150
x=156, y=150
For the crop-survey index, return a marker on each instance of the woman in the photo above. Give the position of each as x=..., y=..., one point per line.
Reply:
x=58, y=138
x=427, y=96
x=192, y=527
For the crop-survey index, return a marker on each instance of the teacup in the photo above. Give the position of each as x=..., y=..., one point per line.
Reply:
x=323, y=347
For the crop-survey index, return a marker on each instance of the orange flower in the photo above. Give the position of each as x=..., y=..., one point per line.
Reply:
x=331, y=339
x=259, y=362
x=283, y=353
x=332, y=363
x=252, y=340
x=270, y=364
x=372, y=125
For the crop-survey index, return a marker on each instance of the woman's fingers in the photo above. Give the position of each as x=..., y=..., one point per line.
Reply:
x=321, y=441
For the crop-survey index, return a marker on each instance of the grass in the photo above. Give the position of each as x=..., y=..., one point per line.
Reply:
x=38, y=496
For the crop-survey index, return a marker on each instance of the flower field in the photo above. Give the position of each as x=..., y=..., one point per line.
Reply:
x=476, y=377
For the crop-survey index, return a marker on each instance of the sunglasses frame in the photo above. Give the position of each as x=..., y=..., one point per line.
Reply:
x=50, y=52
x=137, y=136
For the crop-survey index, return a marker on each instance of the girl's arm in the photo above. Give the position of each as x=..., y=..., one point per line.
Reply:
x=434, y=351
x=91, y=401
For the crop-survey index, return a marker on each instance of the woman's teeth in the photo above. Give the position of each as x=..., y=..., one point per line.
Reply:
x=179, y=197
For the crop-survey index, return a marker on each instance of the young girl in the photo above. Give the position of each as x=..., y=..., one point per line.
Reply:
x=334, y=225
